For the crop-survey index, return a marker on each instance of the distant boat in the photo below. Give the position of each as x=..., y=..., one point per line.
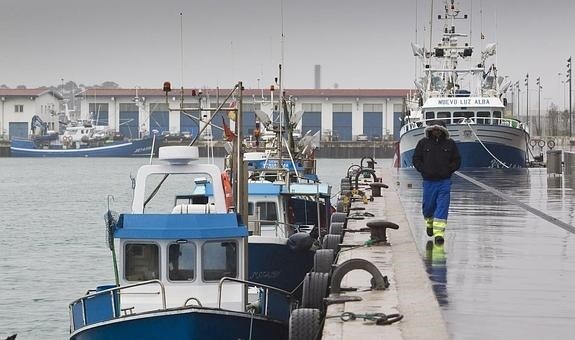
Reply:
x=82, y=141
x=465, y=94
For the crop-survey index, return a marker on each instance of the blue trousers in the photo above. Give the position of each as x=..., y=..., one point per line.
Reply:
x=436, y=197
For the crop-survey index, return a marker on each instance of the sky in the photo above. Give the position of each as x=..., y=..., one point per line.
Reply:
x=359, y=44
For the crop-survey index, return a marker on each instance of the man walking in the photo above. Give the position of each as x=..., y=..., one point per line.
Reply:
x=436, y=157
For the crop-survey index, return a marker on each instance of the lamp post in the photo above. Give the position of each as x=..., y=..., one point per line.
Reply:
x=539, y=87
x=527, y=97
x=518, y=99
x=569, y=79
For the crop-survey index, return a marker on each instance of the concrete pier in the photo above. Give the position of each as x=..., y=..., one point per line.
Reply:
x=409, y=294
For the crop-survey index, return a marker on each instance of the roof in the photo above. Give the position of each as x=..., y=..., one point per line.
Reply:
x=118, y=92
x=179, y=226
x=29, y=92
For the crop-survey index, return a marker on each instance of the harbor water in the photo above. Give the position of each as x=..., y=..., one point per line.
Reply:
x=505, y=274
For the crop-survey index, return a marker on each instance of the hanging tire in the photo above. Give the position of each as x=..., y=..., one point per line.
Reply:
x=339, y=206
x=338, y=217
x=331, y=242
x=315, y=287
x=305, y=324
x=336, y=228
x=323, y=260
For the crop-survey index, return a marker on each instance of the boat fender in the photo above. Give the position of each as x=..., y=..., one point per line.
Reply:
x=300, y=242
x=227, y=190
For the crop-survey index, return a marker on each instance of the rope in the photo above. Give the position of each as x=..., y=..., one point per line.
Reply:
x=379, y=318
x=251, y=323
x=483, y=145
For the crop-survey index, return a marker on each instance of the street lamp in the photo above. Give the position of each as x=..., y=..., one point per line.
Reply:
x=518, y=99
x=569, y=80
x=539, y=87
x=527, y=95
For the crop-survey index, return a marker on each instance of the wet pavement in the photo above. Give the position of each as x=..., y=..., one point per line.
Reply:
x=504, y=272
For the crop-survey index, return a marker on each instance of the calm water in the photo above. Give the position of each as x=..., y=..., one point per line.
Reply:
x=506, y=274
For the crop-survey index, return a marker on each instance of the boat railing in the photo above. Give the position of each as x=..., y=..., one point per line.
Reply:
x=265, y=287
x=99, y=304
x=511, y=122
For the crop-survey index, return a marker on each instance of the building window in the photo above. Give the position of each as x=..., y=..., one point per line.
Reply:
x=182, y=261
x=141, y=262
x=18, y=108
x=220, y=258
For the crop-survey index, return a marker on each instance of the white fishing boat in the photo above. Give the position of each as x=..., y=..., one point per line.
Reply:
x=465, y=92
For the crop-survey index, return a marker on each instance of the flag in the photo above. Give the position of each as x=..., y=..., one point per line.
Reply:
x=233, y=113
x=229, y=135
x=482, y=36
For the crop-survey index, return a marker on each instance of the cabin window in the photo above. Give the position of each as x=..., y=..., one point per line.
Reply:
x=497, y=114
x=444, y=116
x=430, y=115
x=219, y=259
x=181, y=261
x=141, y=262
x=483, y=117
x=268, y=212
x=459, y=116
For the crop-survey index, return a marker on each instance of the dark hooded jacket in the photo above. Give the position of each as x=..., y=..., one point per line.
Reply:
x=436, y=158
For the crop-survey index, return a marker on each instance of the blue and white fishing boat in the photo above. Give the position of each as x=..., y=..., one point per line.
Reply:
x=465, y=93
x=82, y=141
x=182, y=264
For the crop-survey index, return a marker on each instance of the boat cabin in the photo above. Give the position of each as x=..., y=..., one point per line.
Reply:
x=184, y=241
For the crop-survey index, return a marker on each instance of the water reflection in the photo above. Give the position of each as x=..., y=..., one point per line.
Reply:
x=435, y=265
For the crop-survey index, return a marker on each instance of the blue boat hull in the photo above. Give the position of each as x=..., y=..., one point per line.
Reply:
x=27, y=148
x=474, y=155
x=479, y=145
x=186, y=324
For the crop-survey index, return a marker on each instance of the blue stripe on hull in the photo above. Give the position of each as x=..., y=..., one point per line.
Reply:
x=124, y=149
x=186, y=325
x=473, y=155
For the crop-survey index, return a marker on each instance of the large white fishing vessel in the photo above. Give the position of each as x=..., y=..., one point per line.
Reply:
x=465, y=92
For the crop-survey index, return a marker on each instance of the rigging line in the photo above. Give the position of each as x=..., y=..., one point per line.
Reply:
x=486, y=149
x=515, y=201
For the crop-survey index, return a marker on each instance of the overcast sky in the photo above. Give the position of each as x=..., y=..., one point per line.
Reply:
x=359, y=44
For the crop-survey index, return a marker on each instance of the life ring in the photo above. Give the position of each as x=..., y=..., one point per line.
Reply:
x=551, y=144
x=227, y=190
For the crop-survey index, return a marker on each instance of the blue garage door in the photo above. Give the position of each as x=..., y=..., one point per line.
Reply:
x=99, y=113
x=397, y=111
x=129, y=121
x=159, y=118
x=18, y=130
x=311, y=120
x=217, y=124
x=342, y=121
x=372, y=120
x=189, y=124
x=249, y=119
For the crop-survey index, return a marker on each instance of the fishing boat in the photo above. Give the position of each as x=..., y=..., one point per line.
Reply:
x=84, y=140
x=181, y=270
x=465, y=93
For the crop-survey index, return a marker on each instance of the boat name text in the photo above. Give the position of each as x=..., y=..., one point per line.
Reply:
x=464, y=101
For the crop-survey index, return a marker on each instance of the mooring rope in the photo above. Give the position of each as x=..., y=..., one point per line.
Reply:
x=483, y=145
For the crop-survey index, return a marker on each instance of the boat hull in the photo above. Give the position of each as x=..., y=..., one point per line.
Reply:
x=188, y=324
x=27, y=148
x=507, y=144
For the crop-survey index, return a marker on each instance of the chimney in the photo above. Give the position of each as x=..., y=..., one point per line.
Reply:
x=317, y=76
